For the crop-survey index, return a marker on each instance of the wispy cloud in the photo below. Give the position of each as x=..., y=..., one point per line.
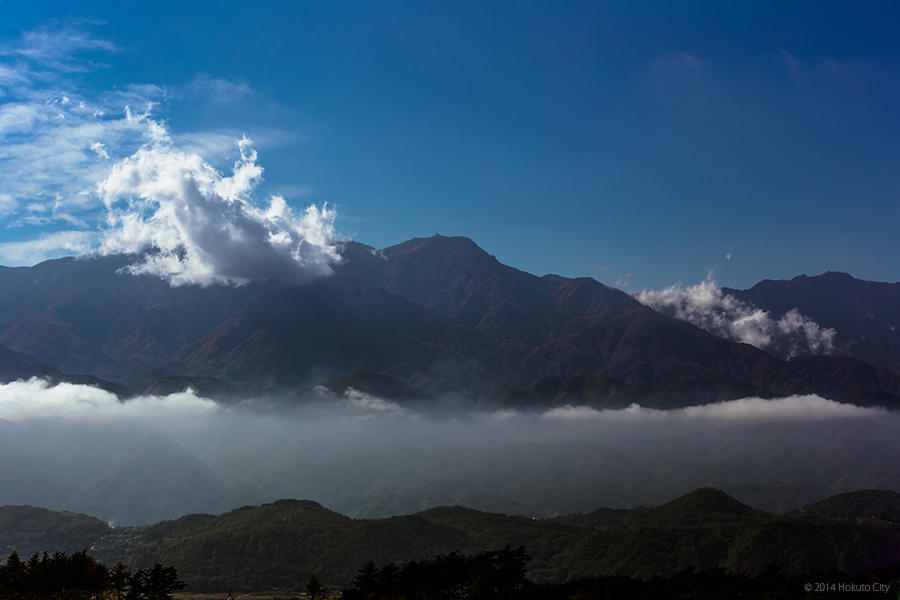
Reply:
x=59, y=46
x=46, y=246
x=7, y=204
x=53, y=137
x=218, y=90
x=624, y=281
x=708, y=307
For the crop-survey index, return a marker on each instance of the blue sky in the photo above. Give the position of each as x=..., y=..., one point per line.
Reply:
x=641, y=144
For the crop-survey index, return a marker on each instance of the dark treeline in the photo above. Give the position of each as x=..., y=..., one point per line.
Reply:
x=500, y=575
x=78, y=576
x=492, y=575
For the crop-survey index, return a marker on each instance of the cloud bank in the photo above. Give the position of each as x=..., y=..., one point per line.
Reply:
x=708, y=307
x=38, y=399
x=809, y=407
x=56, y=442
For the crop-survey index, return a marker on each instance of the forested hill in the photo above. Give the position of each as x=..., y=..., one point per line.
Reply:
x=284, y=543
x=28, y=529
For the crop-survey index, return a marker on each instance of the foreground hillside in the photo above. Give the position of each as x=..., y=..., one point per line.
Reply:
x=284, y=543
x=27, y=529
x=436, y=316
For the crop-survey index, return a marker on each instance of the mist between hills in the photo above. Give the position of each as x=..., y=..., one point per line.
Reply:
x=150, y=458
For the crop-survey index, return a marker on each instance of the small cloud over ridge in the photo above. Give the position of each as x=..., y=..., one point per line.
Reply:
x=708, y=307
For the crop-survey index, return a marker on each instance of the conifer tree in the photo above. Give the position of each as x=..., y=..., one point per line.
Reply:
x=314, y=588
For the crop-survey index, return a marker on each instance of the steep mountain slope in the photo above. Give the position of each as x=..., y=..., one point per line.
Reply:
x=302, y=335
x=585, y=342
x=865, y=314
x=18, y=366
x=456, y=277
x=15, y=365
x=88, y=316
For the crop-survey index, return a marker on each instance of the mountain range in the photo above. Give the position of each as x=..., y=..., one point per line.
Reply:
x=430, y=317
x=865, y=314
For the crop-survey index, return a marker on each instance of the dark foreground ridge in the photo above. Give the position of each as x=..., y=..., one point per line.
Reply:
x=282, y=544
x=431, y=317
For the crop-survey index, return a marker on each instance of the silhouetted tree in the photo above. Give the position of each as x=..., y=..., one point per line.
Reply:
x=80, y=577
x=365, y=580
x=314, y=588
x=119, y=577
x=155, y=583
x=498, y=575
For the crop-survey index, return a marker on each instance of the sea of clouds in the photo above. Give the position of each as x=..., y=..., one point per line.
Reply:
x=368, y=456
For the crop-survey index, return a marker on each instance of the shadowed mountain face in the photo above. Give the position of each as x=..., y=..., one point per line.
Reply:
x=865, y=314
x=85, y=316
x=15, y=365
x=302, y=335
x=438, y=314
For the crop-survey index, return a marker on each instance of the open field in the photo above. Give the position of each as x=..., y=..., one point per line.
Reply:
x=287, y=595
x=241, y=596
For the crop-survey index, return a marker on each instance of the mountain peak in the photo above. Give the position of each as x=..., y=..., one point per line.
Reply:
x=826, y=276
x=439, y=243
x=836, y=276
x=703, y=505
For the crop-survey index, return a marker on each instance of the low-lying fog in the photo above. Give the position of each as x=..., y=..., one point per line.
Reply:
x=151, y=458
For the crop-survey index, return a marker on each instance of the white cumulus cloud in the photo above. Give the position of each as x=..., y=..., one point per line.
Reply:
x=197, y=226
x=708, y=307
